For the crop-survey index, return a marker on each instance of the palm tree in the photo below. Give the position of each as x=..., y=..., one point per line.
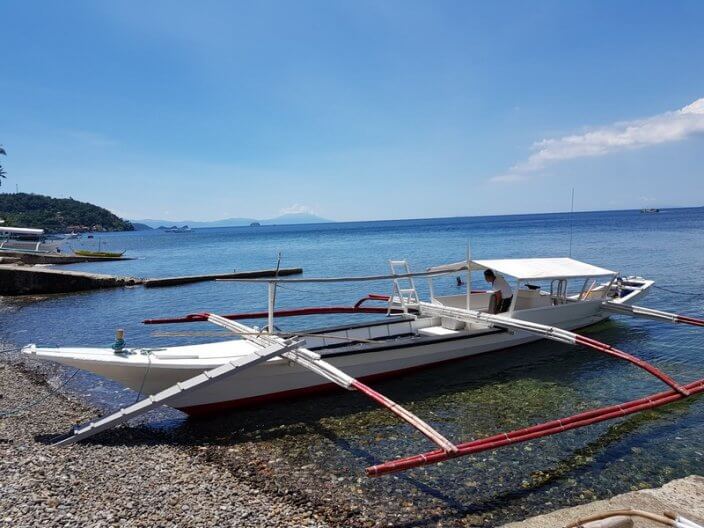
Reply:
x=3, y=174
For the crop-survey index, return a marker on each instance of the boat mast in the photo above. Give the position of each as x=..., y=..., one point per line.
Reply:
x=571, y=221
x=272, y=295
x=469, y=275
x=270, y=312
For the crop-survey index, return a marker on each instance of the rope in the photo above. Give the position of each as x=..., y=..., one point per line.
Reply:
x=17, y=410
x=144, y=378
x=689, y=294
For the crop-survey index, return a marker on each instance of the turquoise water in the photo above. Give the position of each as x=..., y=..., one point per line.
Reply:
x=343, y=434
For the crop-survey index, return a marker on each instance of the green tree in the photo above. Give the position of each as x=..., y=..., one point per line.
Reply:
x=3, y=174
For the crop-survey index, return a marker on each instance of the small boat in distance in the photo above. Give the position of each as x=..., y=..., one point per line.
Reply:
x=88, y=253
x=650, y=210
x=98, y=253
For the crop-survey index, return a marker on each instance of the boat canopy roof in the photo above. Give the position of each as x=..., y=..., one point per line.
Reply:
x=21, y=231
x=532, y=268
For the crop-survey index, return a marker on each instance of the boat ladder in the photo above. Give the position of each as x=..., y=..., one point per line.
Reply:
x=405, y=294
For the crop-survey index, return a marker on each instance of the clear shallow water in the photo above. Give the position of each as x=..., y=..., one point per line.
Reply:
x=343, y=434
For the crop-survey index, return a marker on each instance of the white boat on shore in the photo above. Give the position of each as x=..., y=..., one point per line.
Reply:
x=417, y=336
x=27, y=240
x=261, y=366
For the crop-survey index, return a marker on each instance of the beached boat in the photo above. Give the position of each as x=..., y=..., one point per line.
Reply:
x=88, y=253
x=551, y=297
x=27, y=240
x=98, y=253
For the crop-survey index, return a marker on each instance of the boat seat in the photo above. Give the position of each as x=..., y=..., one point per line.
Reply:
x=532, y=298
x=436, y=331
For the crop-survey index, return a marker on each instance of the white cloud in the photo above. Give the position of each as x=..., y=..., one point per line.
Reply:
x=296, y=209
x=661, y=128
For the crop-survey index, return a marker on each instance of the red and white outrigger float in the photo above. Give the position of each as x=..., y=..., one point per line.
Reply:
x=265, y=364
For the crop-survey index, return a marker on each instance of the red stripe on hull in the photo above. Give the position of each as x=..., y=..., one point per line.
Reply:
x=210, y=408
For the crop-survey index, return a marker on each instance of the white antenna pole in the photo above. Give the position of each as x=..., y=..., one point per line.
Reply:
x=469, y=274
x=571, y=214
x=272, y=296
x=270, y=307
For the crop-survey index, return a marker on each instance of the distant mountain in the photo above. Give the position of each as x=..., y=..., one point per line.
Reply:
x=296, y=218
x=286, y=219
x=141, y=227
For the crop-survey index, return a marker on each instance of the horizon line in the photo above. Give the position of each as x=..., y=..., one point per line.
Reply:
x=328, y=221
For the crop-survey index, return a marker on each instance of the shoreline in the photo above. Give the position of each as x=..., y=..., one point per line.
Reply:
x=201, y=474
x=144, y=482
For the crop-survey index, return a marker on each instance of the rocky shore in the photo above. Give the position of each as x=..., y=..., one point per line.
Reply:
x=279, y=466
x=130, y=478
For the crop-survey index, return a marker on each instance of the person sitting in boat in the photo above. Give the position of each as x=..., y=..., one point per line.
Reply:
x=503, y=292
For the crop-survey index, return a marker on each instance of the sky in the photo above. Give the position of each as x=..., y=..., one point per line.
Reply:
x=353, y=110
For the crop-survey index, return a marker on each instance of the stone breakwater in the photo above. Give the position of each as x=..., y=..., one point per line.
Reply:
x=30, y=280
x=128, y=478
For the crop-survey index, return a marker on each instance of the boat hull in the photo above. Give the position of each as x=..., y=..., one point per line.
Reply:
x=386, y=348
x=279, y=379
x=284, y=380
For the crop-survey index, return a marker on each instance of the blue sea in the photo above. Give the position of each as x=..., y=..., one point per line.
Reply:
x=342, y=433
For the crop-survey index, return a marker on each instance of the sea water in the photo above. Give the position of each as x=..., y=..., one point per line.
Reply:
x=342, y=433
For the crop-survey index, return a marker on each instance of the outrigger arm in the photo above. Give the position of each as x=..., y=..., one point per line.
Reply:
x=649, y=313
x=268, y=346
x=310, y=360
x=552, y=427
x=548, y=332
x=175, y=391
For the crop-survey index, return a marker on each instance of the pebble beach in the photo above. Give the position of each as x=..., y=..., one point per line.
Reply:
x=128, y=478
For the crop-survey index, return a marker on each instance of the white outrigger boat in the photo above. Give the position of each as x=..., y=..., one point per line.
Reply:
x=26, y=240
x=263, y=364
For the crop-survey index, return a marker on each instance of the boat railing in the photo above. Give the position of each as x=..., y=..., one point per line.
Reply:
x=402, y=297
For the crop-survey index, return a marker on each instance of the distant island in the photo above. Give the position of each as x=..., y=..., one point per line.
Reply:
x=57, y=215
x=286, y=219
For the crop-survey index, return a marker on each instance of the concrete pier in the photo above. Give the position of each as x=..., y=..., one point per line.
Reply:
x=177, y=281
x=684, y=496
x=18, y=279
x=31, y=280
